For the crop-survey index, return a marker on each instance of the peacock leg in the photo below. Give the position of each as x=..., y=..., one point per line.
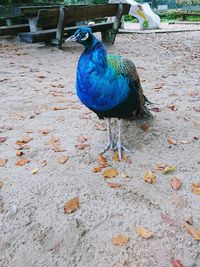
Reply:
x=111, y=143
x=119, y=146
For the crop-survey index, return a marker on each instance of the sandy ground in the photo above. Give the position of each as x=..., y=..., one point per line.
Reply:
x=34, y=230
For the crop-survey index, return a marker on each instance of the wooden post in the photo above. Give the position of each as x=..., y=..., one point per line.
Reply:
x=60, y=29
x=110, y=36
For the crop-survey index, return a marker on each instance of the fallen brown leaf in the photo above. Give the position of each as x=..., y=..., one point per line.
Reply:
x=96, y=169
x=53, y=141
x=34, y=171
x=82, y=139
x=155, y=109
x=19, y=153
x=158, y=87
x=176, y=263
x=175, y=183
x=102, y=161
x=124, y=174
x=100, y=127
x=143, y=232
x=169, y=169
x=24, y=140
x=196, y=189
x=20, y=147
x=167, y=219
x=171, y=141
x=116, y=157
x=192, y=231
x=22, y=162
x=173, y=107
x=184, y=142
x=177, y=200
x=1, y=184
x=3, y=162
x=114, y=185
x=196, y=109
x=58, y=149
x=189, y=220
x=58, y=108
x=43, y=163
x=160, y=167
x=29, y=131
x=110, y=173
x=3, y=139
x=81, y=146
x=44, y=131
x=71, y=205
x=63, y=159
x=149, y=177
x=120, y=240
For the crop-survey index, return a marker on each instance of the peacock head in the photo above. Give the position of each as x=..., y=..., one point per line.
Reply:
x=83, y=36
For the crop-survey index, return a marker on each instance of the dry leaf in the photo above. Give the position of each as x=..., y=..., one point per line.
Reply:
x=189, y=220
x=3, y=162
x=124, y=174
x=173, y=107
x=58, y=149
x=34, y=171
x=143, y=232
x=1, y=184
x=43, y=163
x=160, y=167
x=167, y=219
x=3, y=139
x=59, y=108
x=176, y=263
x=100, y=127
x=196, y=189
x=24, y=140
x=184, y=142
x=114, y=185
x=81, y=146
x=192, y=231
x=29, y=131
x=116, y=157
x=63, y=159
x=96, y=169
x=169, y=169
x=82, y=139
x=196, y=109
x=102, y=161
x=19, y=147
x=44, y=131
x=53, y=141
x=22, y=162
x=175, y=183
x=149, y=177
x=171, y=141
x=71, y=205
x=144, y=126
x=158, y=87
x=110, y=173
x=19, y=153
x=120, y=240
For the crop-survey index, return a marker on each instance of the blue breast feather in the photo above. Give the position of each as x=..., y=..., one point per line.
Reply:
x=98, y=85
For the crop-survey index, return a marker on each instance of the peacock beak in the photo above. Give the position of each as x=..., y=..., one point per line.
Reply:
x=71, y=38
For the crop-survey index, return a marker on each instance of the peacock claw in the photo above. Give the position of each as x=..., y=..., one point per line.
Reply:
x=120, y=147
x=110, y=145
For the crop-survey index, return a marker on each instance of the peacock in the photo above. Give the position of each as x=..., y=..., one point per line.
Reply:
x=109, y=85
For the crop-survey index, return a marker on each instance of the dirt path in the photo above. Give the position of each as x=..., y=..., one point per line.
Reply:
x=36, y=80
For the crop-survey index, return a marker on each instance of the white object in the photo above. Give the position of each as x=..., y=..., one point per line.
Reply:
x=144, y=14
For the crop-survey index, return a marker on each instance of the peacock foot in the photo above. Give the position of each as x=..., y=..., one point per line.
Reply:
x=110, y=145
x=120, y=148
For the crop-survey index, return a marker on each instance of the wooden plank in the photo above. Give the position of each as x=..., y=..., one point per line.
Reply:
x=60, y=28
x=80, y=13
x=14, y=29
x=47, y=35
x=32, y=11
x=48, y=18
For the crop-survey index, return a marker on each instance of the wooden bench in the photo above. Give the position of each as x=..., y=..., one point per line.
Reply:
x=13, y=25
x=51, y=25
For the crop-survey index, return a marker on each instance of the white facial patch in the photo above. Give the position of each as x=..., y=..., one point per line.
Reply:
x=86, y=36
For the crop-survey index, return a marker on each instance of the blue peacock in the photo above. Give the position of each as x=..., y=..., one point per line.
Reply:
x=108, y=84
